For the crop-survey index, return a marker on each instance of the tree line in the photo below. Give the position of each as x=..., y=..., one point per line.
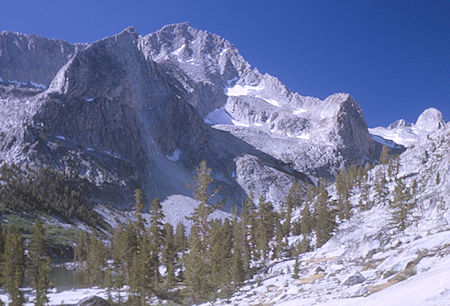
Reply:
x=152, y=259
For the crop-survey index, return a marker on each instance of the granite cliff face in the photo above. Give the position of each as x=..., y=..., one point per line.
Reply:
x=130, y=111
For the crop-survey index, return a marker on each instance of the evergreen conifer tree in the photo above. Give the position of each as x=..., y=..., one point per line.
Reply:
x=180, y=239
x=196, y=268
x=384, y=155
x=306, y=220
x=156, y=232
x=401, y=204
x=265, y=225
x=324, y=216
x=296, y=268
x=39, y=263
x=139, y=210
x=13, y=265
x=96, y=260
x=169, y=255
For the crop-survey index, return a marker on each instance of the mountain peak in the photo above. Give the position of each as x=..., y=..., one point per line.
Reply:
x=430, y=119
x=399, y=123
x=129, y=29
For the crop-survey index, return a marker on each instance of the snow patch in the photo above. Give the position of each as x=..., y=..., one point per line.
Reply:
x=270, y=101
x=299, y=111
x=38, y=85
x=175, y=155
x=90, y=99
x=177, y=207
x=221, y=116
x=223, y=52
x=239, y=90
x=384, y=142
x=218, y=116
x=179, y=50
x=303, y=136
x=60, y=137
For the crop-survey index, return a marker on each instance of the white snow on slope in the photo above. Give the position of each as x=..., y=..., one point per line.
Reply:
x=270, y=101
x=175, y=155
x=223, y=52
x=221, y=116
x=384, y=142
x=299, y=111
x=218, y=116
x=179, y=50
x=429, y=288
x=38, y=85
x=239, y=90
x=303, y=136
x=404, y=136
x=407, y=267
x=177, y=207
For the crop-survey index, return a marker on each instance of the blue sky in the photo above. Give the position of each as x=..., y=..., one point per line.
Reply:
x=392, y=56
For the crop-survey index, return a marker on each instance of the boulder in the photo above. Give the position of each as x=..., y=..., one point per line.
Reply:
x=93, y=301
x=356, y=278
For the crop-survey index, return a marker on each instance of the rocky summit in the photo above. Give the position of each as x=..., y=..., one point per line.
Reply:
x=132, y=111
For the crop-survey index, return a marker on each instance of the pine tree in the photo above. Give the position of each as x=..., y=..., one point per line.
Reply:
x=401, y=204
x=381, y=186
x=196, y=261
x=324, y=216
x=169, y=255
x=296, y=268
x=13, y=265
x=196, y=268
x=156, y=234
x=202, y=181
x=139, y=210
x=180, y=238
x=393, y=167
x=364, y=202
x=265, y=226
x=249, y=232
x=384, y=155
x=96, y=260
x=237, y=267
x=306, y=220
x=39, y=263
x=279, y=243
x=343, y=185
x=80, y=251
x=295, y=196
x=220, y=246
x=142, y=278
x=304, y=245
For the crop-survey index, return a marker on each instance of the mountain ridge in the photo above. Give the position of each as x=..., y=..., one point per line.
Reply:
x=129, y=104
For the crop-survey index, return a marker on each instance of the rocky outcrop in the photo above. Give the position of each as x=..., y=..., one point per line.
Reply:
x=356, y=278
x=93, y=301
x=32, y=59
x=430, y=120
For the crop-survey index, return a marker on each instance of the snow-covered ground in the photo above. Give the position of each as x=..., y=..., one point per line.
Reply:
x=369, y=261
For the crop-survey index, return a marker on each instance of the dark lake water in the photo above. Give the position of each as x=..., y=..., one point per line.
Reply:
x=64, y=279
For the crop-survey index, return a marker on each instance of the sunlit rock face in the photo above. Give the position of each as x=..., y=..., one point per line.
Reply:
x=133, y=111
